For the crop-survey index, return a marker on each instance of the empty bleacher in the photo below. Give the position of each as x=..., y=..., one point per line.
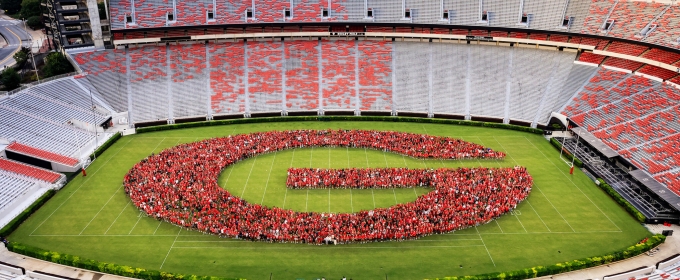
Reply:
x=41, y=154
x=632, y=16
x=667, y=32
x=17, y=192
x=637, y=117
x=30, y=171
x=628, y=17
x=645, y=201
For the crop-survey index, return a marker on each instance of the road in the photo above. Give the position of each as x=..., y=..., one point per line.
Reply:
x=14, y=34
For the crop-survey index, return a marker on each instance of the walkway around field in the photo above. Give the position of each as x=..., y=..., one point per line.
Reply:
x=670, y=247
x=667, y=249
x=31, y=264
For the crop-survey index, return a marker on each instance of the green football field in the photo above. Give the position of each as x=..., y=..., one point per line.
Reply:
x=566, y=217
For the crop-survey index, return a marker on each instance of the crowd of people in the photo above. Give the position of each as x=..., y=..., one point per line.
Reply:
x=365, y=178
x=179, y=185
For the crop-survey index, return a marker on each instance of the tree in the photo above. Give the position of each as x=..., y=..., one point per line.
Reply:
x=22, y=56
x=10, y=6
x=34, y=22
x=10, y=79
x=102, y=10
x=56, y=64
x=30, y=8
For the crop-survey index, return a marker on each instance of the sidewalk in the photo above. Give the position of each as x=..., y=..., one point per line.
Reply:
x=667, y=249
x=32, y=264
x=39, y=39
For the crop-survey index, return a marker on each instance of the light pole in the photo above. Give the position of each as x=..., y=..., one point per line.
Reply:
x=94, y=124
x=32, y=56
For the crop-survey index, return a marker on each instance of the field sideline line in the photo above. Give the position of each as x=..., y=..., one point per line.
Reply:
x=140, y=216
x=500, y=166
x=539, y=189
x=207, y=137
x=231, y=241
x=317, y=247
x=100, y=210
x=81, y=185
x=572, y=182
x=171, y=246
x=210, y=235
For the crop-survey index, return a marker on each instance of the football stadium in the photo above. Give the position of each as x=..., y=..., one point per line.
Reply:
x=347, y=139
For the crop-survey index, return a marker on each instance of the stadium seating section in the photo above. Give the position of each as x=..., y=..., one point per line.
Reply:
x=635, y=116
x=627, y=18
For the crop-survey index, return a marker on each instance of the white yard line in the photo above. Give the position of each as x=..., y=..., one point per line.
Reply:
x=248, y=179
x=81, y=185
x=133, y=227
x=406, y=164
x=487, y=249
x=269, y=176
x=166, y=235
x=499, y=225
x=159, y=225
x=114, y=194
x=317, y=247
x=536, y=185
x=286, y=192
x=171, y=246
x=242, y=241
x=100, y=210
x=114, y=221
x=572, y=182
x=520, y=222
x=539, y=216
x=351, y=200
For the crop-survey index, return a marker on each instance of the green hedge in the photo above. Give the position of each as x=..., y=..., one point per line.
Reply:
x=621, y=201
x=338, y=118
x=103, y=267
x=14, y=224
x=558, y=268
x=106, y=145
x=577, y=162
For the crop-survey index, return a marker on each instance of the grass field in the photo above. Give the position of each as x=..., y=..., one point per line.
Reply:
x=565, y=217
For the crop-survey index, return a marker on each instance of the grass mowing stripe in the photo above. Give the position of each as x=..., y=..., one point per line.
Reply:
x=487, y=249
x=121, y=212
x=173, y=245
x=253, y=263
x=452, y=233
x=286, y=192
x=536, y=185
x=315, y=247
x=100, y=210
x=248, y=179
x=572, y=182
x=269, y=176
x=539, y=216
x=80, y=186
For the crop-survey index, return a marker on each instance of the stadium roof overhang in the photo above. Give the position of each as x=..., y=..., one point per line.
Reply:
x=595, y=142
x=388, y=24
x=656, y=187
